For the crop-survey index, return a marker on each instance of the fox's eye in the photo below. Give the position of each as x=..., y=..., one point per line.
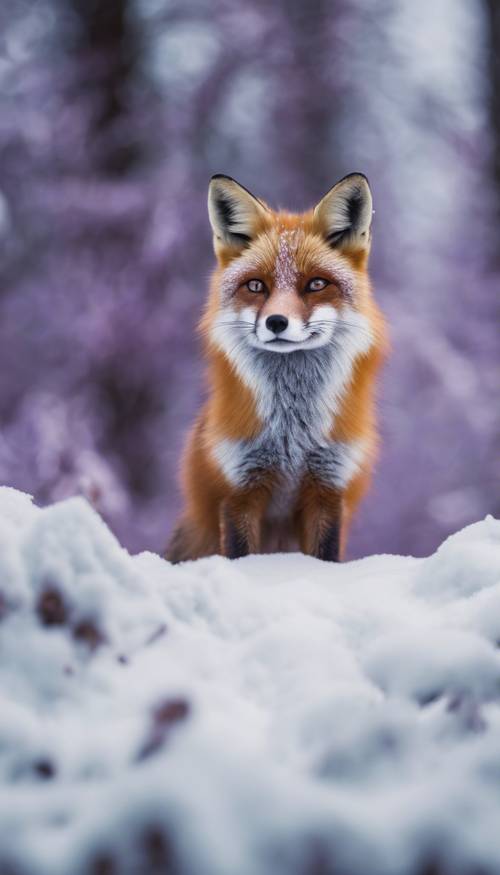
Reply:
x=255, y=286
x=316, y=284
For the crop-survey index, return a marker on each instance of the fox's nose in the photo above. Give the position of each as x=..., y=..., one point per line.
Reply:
x=276, y=323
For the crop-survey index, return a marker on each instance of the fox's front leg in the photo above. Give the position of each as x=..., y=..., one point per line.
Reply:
x=241, y=521
x=320, y=520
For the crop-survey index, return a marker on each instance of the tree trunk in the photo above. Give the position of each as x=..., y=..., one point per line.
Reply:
x=492, y=9
x=107, y=49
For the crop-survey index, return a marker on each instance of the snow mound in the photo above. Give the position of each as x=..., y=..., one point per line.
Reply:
x=272, y=716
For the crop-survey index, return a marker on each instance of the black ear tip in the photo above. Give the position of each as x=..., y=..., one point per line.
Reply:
x=356, y=173
x=221, y=176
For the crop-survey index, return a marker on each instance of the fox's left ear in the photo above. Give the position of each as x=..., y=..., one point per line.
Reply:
x=344, y=215
x=236, y=215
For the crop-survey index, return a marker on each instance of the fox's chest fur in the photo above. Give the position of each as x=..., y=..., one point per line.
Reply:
x=297, y=396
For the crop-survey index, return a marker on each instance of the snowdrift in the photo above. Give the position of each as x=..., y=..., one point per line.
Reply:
x=271, y=715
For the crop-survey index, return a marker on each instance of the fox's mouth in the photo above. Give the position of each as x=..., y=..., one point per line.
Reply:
x=282, y=341
x=284, y=345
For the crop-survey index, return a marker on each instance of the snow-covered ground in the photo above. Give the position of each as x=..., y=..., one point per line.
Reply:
x=267, y=716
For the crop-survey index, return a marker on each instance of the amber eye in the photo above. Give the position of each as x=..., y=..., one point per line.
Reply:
x=316, y=284
x=255, y=286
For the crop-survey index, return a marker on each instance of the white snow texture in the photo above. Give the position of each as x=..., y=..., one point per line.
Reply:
x=272, y=715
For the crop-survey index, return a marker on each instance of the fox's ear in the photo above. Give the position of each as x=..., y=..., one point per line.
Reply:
x=344, y=215
x=236, y=216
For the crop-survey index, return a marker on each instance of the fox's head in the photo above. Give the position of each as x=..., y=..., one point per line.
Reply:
x=288, y=282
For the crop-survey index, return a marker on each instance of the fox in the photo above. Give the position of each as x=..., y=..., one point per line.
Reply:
x=284, y=447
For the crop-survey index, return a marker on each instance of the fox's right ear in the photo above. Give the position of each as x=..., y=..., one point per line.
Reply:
x=344, y=215
x=236, y=216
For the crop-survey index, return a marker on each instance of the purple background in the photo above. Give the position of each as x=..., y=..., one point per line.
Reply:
x=113, y=117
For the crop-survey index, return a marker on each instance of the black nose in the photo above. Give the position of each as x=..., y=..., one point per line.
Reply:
x=276, y=323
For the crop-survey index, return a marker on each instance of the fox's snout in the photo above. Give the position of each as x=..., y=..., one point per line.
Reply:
x=283, y=326
x=280, y=327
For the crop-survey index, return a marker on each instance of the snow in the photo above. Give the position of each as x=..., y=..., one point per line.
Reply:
x=276, y=714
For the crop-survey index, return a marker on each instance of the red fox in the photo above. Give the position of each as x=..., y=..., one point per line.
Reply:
x=283, y=449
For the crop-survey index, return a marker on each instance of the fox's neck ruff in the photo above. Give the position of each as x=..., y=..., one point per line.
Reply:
x=288, y=387
x=305, y=385
x=297, y=395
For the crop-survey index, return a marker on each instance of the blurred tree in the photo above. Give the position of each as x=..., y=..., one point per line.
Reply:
x=492, y=8
x=106, y=46
x=306, y=114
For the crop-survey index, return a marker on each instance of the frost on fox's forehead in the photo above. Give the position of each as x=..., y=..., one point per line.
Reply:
x=285, y=268
x=298, y=254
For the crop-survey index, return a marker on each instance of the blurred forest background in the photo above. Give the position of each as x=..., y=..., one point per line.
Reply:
x=114, y=114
